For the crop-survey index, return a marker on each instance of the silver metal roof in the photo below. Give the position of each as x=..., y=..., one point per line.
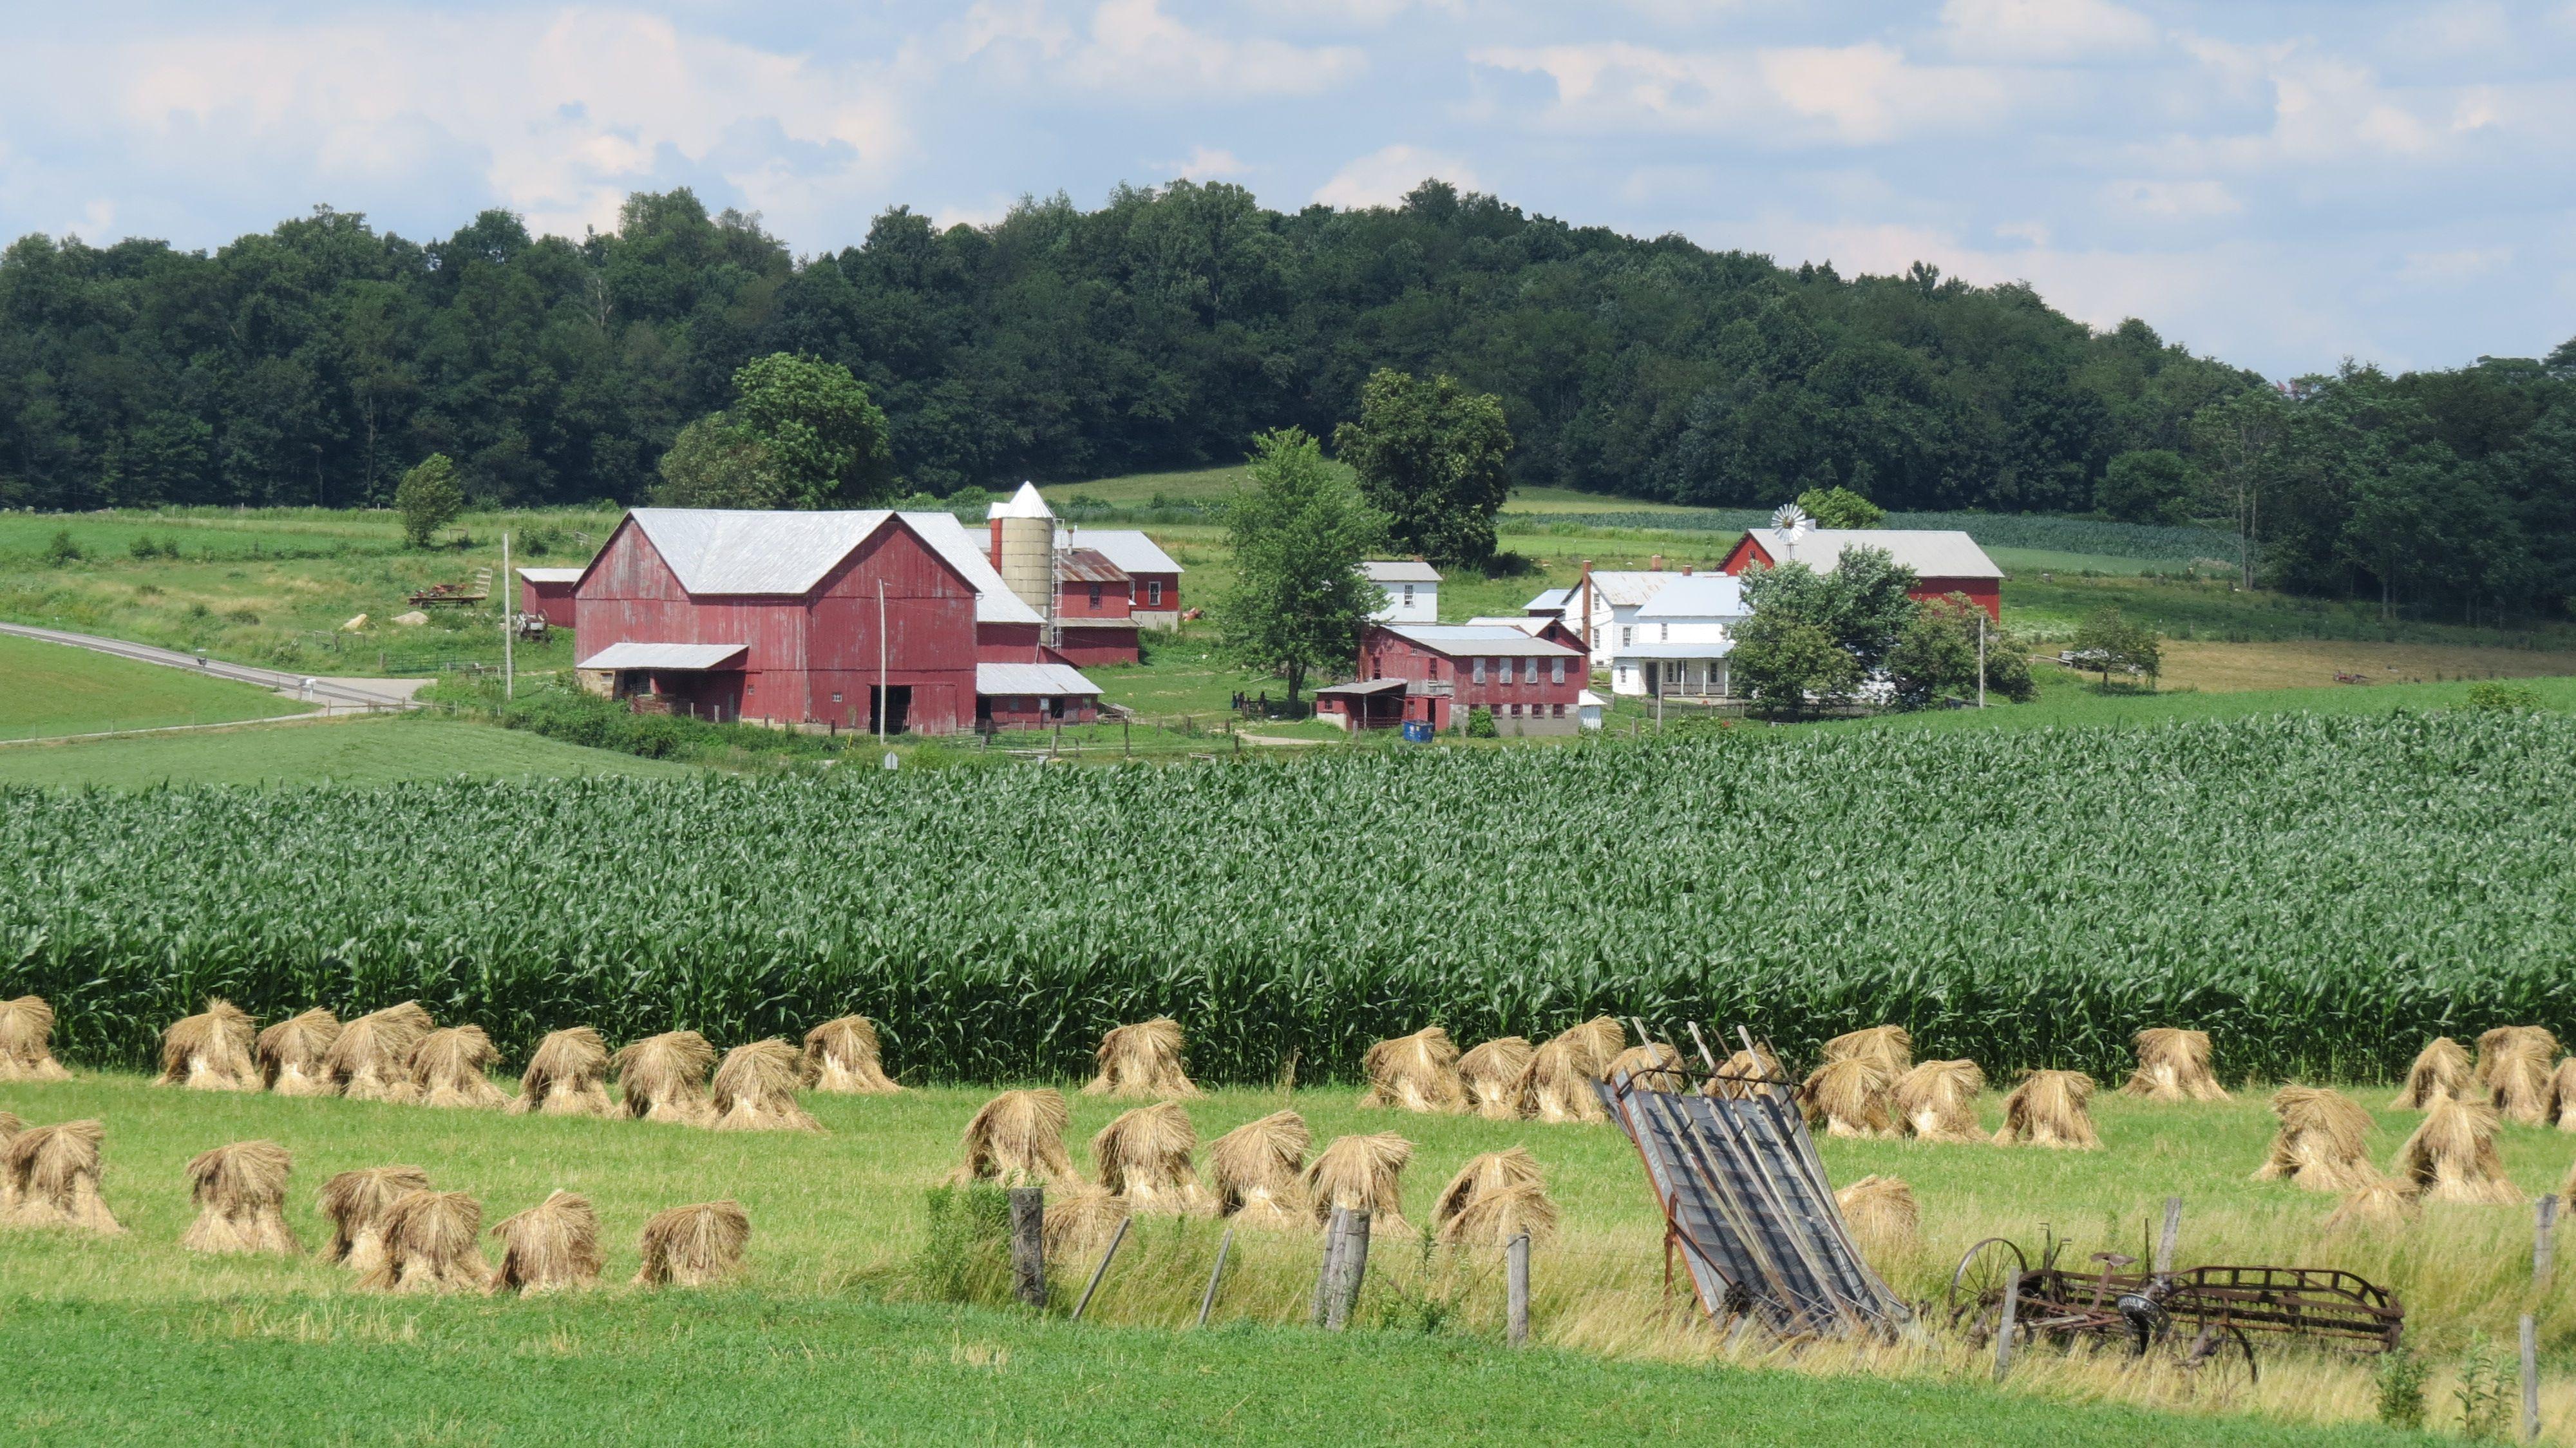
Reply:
x=1551, y=601
x=1026, y=503
x=718, y=551
x=1651, y=650
x=1930, y=553
x=1126, y=547
x=1528, y=624
x=1627, y=588
x=1398, y=570
x=636, y=655
x=1032, y=679
x=1698, y=595
x=1363, y=686
x=552, y=575
x=1490, y=640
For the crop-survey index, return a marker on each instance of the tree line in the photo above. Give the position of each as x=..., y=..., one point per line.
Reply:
x=316, y=363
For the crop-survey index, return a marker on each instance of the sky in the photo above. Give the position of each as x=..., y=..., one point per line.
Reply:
x=2279, y=183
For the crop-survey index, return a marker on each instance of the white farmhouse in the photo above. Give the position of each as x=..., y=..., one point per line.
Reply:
x=1677, y=643
x=1412, y=589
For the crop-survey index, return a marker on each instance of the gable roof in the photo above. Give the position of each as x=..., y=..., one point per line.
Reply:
x=1398, y=570
x=1551, y=600
x=1126, y=547
x=1698, y=595
x=1491, y=640
x=1931, y=553
x=551, y=575
x=1627, y=588
x=721, y=551
x=1526, y=623
x=1088, y=565
x=1026, y=503
x=1032, y=679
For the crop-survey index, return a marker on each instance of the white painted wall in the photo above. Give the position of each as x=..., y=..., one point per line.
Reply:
x=1409, y=603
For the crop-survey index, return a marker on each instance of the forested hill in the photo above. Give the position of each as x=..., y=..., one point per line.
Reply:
x=314, y=363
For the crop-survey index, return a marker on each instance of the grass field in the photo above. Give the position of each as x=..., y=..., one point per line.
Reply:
x=339, y=751
x=55, y=689
x=835, y=1291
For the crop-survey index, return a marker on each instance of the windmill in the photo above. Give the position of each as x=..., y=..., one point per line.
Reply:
x=1792, y=522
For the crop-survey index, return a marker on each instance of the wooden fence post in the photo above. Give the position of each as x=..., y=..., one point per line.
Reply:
x=2011, y=1319
x=1349, y=1269
x=1517, y=1290
x=1216, y=1274
x=2172, y=1234
x=1103, y=1269
x=2530, y=1380
x=1028, y=1244
x=2544, y=1233
x=1324, y=1270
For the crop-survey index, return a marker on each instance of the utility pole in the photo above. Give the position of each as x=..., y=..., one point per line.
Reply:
x=509, y=625
x=1981, y=656
x=882, y=700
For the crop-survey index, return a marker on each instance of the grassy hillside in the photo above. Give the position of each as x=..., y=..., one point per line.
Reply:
x=844, y=1265
x=55, y=689
x=344, y=751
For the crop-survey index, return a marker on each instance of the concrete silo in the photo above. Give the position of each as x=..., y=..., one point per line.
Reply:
x=1024, y=549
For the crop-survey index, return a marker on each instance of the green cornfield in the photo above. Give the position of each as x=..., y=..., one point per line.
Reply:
x=2321, y=894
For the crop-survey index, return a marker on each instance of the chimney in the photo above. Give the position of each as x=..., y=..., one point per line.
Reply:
x=1655, y=564
x=1686, y=568
x=1418, y=558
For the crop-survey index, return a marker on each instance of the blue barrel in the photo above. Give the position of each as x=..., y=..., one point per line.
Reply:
x=1417, y=731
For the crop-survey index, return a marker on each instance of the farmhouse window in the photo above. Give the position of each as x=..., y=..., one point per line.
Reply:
x=1095, y=595
x=1408, y=595
x=1667, y=636
x=1556, y=672
x=1627, y=636
x=1154, y=595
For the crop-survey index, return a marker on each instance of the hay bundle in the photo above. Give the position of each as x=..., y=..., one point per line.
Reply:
x=1745, y=1075
x=10, y=1125
x=27, y=1041
x=1018, y=1139
x=1887, y=1044
x=2323, y=1144
x=568, y=1076
x=1595, y=1044
x=449, y=1069
x=1418, y=1072
x=1142, y=1060
x=291, y=1052
x=240, y=1191
x=2513, y=1064
x=756, y=1089
x=1653, y=1066
x=2050, y=1108
x=1495, y=1197
x=694, y=1246
x=357, y=1202
x=2173, y=1065
x=1082, y=1218
x=2441, y=1070
x=2567, y=1190
x=1881, y=1212
x=212, y=1051
x=52, y=1175
x=1256, y=1167
x=843, y=1058
x=1558, y=1084
x=550, y=1246
x=1852, y=1096
x=1144, y=1156
x=430, y=1246
x=371, y=1060
x=1365, y=1174
x=1492, y=1074
x=2562, y=1095
x=1937, y=1101
x=2381, y=1203
x=664, y=1078
x=2452, y=1156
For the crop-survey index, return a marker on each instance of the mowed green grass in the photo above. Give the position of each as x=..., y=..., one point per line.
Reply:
x=339, y=751
x=55, y=689
x=2067, y=699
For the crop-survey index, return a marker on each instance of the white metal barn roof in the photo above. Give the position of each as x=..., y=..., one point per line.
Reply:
x=1032, y=679
x=1931, y=553
x=675, y=657
x=1551, y=601
x=1398, y=570
x=717, y=551
x=1126, y=547
x=1493, y=640
x=1698, y=595
x=553, y=575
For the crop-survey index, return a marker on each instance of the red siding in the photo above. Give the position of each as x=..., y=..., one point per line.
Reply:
x=1084, y=647
x=1986, y=593
x=1143, y=592
x=1385, y=654
x=1073, y=601
x=549, y=601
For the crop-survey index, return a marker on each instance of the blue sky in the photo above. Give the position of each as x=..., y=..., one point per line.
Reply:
x=2280, y=184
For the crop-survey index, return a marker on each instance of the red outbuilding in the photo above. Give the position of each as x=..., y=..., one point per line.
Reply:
x=1531, y=683
x=1944, y=562
x=1095, y=613
x=547, y=593
x=806, y=619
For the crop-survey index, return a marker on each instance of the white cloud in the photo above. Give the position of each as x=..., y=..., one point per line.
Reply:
x=1132, y=48
x=1856, y=94
x=2045, y=30
x=1381, y=178
x=1206, y=163
x=2171, y=200
x=2462, y=27
x=2451, y=267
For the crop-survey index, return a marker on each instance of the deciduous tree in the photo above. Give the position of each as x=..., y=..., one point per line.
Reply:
x=1298, y=533
x=1429, y=455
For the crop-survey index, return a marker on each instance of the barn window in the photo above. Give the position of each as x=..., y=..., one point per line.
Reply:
x=1154, y=594
x=1503, y=670
x=1556, y=671
x=1095, y=595
x=1478, y=671
x=836, y=696
x=1556, y=711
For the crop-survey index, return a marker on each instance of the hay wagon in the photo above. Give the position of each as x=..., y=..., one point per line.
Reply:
x=2205, y=1316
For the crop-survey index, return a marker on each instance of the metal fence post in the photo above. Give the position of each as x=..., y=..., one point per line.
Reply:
x=1216, y=1274
x=1103, y=1269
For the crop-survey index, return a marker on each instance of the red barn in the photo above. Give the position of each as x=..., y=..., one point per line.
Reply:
x=1943, y=562
x=1153, y=578
x=547, y=593
x=1095, y=609
x=1450, y=670
x=804, y=619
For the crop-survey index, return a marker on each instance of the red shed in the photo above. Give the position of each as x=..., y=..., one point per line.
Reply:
x=1944, y=562
x=1449, y=670
x=1095, y=619
x=795, y=618
x=547, y=593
